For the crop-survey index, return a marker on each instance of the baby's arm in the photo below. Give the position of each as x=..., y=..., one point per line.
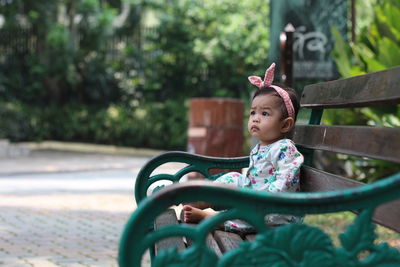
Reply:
x=286, y=161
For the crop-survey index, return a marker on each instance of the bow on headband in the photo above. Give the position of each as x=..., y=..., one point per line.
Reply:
x=267, y=82
x=268, y=79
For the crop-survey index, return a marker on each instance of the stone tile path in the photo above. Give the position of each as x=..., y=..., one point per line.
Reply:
x=65, y=209
x=62, y=229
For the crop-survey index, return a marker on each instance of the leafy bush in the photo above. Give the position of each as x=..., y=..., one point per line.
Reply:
x=377, y=47
x=14, y=123
x=96, y=82
x=56, y=52
x=160, y=126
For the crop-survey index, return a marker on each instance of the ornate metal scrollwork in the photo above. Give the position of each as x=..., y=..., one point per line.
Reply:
x=296, y=245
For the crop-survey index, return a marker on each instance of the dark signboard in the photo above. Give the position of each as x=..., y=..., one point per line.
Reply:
x=313, y=41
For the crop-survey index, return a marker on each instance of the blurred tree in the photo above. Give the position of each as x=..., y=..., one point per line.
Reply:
x=71, y=46
x=88, y=53
x=205, y=48
x=200, y=48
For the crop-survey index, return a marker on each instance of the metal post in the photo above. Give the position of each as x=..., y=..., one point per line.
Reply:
x=286, y=41
x=353, y=21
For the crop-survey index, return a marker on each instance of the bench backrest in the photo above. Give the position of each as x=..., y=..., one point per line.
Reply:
x=382, y=143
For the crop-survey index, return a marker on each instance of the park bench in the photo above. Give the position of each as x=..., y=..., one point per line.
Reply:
x=155, y=227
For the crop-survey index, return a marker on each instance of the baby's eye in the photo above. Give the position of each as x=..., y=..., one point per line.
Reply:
x=252, y=113
x=265, y=113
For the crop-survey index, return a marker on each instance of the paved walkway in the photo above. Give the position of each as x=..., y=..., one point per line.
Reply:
x=65, y=208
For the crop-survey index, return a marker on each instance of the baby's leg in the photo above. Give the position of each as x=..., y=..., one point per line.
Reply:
x=232, y=178
x=194, y=215
x=194, y=212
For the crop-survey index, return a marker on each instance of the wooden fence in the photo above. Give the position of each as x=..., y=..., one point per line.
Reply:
x=17, y=42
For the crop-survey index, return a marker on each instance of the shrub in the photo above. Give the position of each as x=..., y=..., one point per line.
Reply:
x=160, y=126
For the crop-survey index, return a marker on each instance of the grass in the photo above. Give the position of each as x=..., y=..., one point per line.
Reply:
x=335, y=223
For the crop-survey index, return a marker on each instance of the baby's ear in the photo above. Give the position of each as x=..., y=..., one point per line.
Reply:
x=287, y=125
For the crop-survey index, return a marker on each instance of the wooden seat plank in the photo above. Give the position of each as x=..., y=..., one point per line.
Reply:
x=250, y=237
x=211, y=243
x=388, y=215
x=168, y=218
x=227, y=240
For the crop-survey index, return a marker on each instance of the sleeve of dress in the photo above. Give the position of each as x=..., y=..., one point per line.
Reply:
x=286, y=161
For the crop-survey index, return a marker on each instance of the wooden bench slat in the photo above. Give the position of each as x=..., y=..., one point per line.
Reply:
x=314, y=180
x=211, y=243
x=361, y=141
x=365, y=90
x=168, y=218
x=388, y=215
x=227, y=240
x=250, y=237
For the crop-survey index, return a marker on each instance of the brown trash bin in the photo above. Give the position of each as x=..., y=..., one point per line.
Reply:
x=216, y=127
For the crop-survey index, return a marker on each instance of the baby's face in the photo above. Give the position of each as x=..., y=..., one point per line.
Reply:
x=265, y=122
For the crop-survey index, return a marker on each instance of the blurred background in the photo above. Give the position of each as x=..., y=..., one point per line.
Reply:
x=122, y=72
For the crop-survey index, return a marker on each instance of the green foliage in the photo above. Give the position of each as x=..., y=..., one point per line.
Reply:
x=335, y=223
x=67, y=59
x=199, y=48
x=206, y=48
x=377, y=48
x=81, y=63
x=161, y=126
x=14, y=123
x=378, y=45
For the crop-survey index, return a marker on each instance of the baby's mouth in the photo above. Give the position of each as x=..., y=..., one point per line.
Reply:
x=254, y=128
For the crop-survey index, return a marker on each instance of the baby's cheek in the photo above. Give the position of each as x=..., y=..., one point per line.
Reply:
x=248, y=125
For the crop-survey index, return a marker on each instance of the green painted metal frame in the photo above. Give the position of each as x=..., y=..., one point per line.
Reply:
x=315, y=119
x=289, y=245
x=195, y=163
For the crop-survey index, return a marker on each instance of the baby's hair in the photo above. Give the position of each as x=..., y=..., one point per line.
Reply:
x=292, y=94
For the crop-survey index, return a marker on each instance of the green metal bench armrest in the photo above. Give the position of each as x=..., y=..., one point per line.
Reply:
x=276, y=244
x=196, y=163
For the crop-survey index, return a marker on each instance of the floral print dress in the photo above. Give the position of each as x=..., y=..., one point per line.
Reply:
x=273, y=168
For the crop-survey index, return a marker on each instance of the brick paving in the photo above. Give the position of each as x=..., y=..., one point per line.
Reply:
x=42, y=224
x=62, y=229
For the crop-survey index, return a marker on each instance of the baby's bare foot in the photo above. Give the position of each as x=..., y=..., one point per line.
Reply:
x=199, y=205
x=195, y=215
